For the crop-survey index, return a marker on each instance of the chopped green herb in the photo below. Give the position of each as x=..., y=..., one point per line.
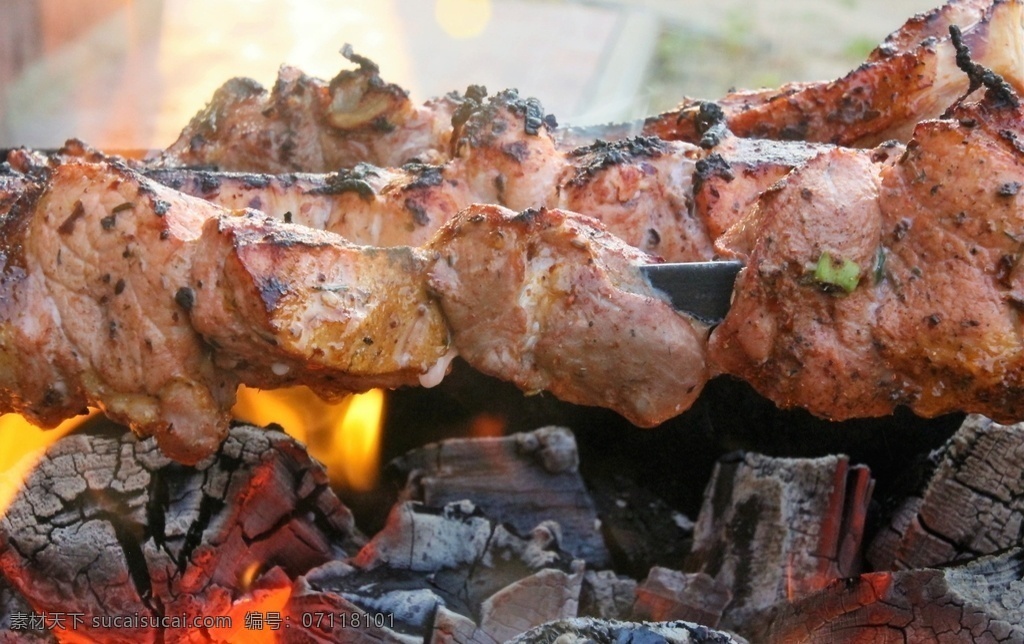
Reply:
x=837, y=273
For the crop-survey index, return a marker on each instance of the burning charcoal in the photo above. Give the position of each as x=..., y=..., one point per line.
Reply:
x=773, y=529
x=520, y=480
x=19, y=624
x=982, y=601
x=455, y=558
x=668, y=595
x=606, y=595
x=107, y=526
x=584, y=630
x=972, y=505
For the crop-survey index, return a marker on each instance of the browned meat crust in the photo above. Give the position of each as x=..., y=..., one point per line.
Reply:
x=911, y=77
x=928, y=243
x=550, y=301
x=367, y=205
x=730, y=178
x=305, y=124
x=285, y=304
x=639, y=188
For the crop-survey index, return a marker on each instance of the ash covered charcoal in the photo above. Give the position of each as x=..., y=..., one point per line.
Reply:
x=488, y=580
x=521, y=480
x=585, y=630
x=774, y=529
x=972, y=503
x=108, y=526
x=606, y=595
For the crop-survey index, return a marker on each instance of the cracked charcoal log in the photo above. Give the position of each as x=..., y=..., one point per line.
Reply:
x=107, y=525
x=972, y=505
x=982, y=601
x=521, y=480
x=670, y=595
x=545, y=596
x=773, y=529
x=593, y=631
x=455, y=557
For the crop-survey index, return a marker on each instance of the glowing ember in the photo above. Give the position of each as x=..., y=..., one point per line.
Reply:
x=259, y=617
x=487, y=426
x=344, y=436
x=21, y=445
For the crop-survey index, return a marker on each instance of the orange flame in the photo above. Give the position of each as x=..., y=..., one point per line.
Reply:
x=260, y=617
x=344, y=436
x=21, y=446
x=248, y=576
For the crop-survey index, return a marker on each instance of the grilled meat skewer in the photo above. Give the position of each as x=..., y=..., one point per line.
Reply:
x=100, y=303
x=640, y=188
x=859, y=266
x=124, y=294
x=307, y=125
x=671, y=199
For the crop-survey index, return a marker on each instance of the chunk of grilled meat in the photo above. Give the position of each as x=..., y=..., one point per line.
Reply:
x=285, y=305
x=729, y=179
x=110, y=282
x=550, y=301
x=878, y=282
x=642, y=190
x=305, y=124
x=910, y=77
x=799, y=340
x=91, y=259
x=124, y=294
x=505, y=154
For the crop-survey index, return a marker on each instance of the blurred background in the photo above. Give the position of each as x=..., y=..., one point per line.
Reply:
x=128, y=74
